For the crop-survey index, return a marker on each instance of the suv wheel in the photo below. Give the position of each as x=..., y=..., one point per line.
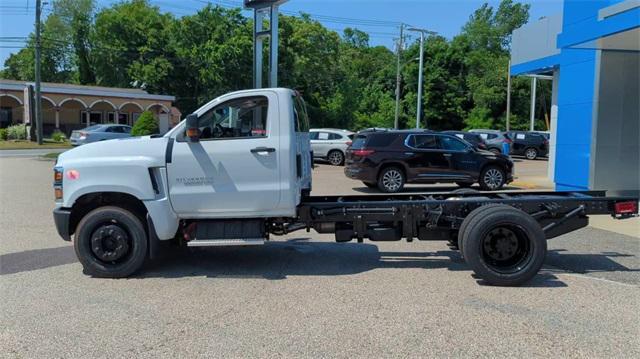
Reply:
x=391, y=180
x=531, y=153
x=336, y=158
x=492, y=178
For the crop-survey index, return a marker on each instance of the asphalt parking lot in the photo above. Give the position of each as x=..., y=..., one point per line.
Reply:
x=304, y=295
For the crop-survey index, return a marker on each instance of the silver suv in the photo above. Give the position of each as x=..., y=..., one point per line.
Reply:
x=330, y=144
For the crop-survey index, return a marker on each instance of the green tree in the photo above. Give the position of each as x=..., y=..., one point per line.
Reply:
x=77, y=18
x=131, y=46
x=213, y=52
x=145, y=125
x=65, y=46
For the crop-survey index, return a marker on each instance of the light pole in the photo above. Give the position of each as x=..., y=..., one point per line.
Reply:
x=419, y=108
x=260, y=9
x=398, y=77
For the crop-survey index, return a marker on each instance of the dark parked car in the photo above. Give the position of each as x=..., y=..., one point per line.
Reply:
x=473, y=138
x=494, y=139
x=529, y=144
x=389, y=159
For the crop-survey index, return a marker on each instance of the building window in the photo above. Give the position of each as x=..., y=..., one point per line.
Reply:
x=111, y=117
x=123, y=118
x=95, y=117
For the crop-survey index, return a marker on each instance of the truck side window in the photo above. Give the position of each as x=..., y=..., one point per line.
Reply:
x=238, y=118
x=301, y=118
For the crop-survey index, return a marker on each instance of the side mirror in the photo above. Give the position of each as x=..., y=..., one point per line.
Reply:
x=192, y=130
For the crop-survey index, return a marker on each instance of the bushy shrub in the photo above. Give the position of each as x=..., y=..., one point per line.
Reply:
x=479, y=117
x=17, y=132
x=58, y=136
x=145, y=125
x=3, y=134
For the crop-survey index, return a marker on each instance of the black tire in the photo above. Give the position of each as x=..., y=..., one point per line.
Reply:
x=465, y=223
x=492, y=178
x=531, y=153
x=464, y=184
x=120, y=229
x=503, y=245
x=336, y=157
x=391, y=180
x=370, y=184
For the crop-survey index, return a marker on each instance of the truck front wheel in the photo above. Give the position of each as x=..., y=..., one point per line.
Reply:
x=504, y=246
x=110, y=242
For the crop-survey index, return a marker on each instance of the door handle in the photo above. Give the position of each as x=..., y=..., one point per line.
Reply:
x=263, y=149
x=446, y=154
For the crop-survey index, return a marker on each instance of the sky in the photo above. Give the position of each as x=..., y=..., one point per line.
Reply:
x=379, y=18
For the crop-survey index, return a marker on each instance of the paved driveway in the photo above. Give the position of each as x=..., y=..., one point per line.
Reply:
x=304, y=295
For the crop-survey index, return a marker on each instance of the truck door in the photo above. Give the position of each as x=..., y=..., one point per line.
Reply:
x=233, y=170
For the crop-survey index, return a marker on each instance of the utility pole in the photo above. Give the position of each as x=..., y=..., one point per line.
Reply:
x=508, y=93
x=38, y=93
x=534, y=85
x=419, y=106
x=398, y=77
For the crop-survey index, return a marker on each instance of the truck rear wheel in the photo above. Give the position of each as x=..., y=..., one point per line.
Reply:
x=465, y=223
x=111, y=242
x=504, y=246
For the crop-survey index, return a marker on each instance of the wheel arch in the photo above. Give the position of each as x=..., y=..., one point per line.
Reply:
x=335, y=149
x=90, y=201
x=400, y=165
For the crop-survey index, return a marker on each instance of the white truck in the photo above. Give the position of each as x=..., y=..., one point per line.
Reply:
x=239, y=170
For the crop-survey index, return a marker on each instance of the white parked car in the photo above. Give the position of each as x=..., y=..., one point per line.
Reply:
x=330, y=144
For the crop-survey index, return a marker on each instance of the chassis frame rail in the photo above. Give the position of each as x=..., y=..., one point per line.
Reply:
x=438, y=216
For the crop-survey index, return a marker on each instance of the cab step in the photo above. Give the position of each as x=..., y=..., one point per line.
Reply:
x=225, y=242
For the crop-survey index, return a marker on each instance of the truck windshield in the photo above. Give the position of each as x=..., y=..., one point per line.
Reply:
x=301, y=119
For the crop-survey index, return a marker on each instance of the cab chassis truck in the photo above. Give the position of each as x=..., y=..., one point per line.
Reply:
x=239, y=170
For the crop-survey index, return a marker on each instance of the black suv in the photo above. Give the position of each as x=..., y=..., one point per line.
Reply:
x=529, y=144
x=389, y=159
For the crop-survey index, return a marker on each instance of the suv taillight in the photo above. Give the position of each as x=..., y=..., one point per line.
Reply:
x=349, y=143
x=363, y=153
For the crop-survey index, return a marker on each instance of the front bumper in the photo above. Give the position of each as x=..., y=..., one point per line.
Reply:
x=61, y=217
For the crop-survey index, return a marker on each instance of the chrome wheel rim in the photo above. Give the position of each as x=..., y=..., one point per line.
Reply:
x=335, y=158
x=392, y=180
x=493, y=178
x=531, y=154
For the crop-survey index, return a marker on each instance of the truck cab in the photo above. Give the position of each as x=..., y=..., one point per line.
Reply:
x=246, y=157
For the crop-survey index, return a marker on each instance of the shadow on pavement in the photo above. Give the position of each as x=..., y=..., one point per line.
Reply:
x=277, y=260
x=35, y=259
x=588, y=263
